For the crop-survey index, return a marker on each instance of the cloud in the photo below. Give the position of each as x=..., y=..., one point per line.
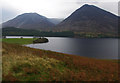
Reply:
x=8, y=12
x=86, y=1
x=119, y=8
x=0, y=16
x=95, y=1
x=52, y=8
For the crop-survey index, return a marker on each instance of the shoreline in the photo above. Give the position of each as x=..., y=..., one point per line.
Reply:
x=61, y=52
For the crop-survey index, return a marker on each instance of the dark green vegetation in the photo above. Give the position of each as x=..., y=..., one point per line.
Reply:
x=95, y=35
x=22, y=63
x=11, y=31
x=41, y=40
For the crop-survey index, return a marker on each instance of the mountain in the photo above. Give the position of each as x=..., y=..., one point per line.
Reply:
x=29, y=21
x=56, y=20
x=90, y=19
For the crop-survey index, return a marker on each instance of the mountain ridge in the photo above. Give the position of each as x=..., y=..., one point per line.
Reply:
x=90, y=18
x=29, y=21
x=87, y=20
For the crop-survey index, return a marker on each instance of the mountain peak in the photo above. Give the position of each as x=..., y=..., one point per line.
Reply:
x=90, y=18
x=30, y=14
x=86, y=5
x=29, y=21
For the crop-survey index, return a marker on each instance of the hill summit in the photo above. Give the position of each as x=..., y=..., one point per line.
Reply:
x=29, y=21
x=90, y=18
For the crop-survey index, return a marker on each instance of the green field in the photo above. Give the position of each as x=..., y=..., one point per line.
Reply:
x=20, y=41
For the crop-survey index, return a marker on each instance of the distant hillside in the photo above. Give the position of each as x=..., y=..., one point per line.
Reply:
x=87, y=21
x=29, y=21
x=90, y=19
x=56, y=20
x=11, y=31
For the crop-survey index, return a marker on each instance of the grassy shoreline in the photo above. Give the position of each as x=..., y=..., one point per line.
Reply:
x=20, y=41
x=22, y=63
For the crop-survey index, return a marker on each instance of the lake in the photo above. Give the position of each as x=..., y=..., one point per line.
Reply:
x=100, y=48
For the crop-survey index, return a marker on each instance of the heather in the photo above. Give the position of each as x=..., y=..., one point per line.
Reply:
x=22, y=63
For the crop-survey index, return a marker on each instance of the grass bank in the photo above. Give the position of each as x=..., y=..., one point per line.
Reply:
x=22, y=63
x=20, y=41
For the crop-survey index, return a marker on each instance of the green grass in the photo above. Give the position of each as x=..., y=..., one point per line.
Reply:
x=18, y=40
x=30, y=68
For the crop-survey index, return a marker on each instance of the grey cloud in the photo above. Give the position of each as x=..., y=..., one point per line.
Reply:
x=87, y=1
x=119, y=8
x=64, y=8
x=8, y=13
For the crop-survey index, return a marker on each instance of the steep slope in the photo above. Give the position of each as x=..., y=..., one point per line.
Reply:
x=92, y=19
x=29, y=21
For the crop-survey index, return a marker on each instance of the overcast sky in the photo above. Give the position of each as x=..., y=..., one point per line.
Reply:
x=51, y=8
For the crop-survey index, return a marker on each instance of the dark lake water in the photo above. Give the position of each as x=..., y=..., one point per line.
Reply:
x=101, y=48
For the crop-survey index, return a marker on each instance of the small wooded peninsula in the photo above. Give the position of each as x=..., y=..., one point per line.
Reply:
x=40, y=40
